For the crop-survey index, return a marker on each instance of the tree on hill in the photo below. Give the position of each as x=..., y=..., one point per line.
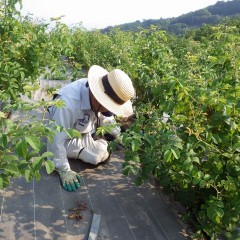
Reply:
x=210, y=15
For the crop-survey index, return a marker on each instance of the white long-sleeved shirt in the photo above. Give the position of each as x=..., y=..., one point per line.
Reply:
x=75, y=114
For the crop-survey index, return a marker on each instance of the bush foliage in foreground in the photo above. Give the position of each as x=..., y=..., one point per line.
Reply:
x=26, y=49
x=195, y=154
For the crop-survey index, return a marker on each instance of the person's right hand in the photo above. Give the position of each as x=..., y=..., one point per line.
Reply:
x=70, y=180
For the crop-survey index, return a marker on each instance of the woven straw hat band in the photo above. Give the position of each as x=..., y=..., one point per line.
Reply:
x=121, y=84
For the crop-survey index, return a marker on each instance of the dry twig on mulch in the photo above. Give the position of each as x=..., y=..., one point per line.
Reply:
x=76, y=212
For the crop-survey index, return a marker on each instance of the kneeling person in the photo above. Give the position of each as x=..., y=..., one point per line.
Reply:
x=88, y=101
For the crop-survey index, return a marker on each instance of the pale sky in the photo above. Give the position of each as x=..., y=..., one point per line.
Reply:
x=97, y=14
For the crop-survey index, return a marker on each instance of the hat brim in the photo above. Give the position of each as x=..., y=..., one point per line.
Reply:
x=95, y=75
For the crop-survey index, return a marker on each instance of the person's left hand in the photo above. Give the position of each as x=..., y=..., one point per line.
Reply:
x=70, y=180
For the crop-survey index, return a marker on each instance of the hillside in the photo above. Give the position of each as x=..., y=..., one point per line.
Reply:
x=210, y=15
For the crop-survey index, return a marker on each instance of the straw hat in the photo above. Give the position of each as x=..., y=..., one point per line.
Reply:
x=113, y=90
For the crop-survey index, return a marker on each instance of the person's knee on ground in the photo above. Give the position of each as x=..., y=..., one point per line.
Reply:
x=95, y=153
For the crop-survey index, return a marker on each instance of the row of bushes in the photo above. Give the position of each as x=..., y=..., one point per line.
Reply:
x=195, y=80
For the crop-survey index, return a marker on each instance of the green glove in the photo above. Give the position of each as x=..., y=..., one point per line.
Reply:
x=70, y=180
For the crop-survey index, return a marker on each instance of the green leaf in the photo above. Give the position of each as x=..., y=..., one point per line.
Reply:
x=206, y=177
x=150, y=140
x=4, y=181
x=187, y=161
x=31, y=154
x=135, y=145
x=10, y=158
x=196, y=180
x=37, y=163
x=178, y=145
x=216, y=139
x=28, y=175
x=3, y=140
x=50, y=167
x=47, y=154
x=127, y=140
x=196, y=159
x=219, y=204
x=236, y=147
x=59, y=128
x=228, y=155
x=167, y=156
x=202, y=183
x=23, y=165
x=135, y=158
x=215, y=213
x=34, y=142
x=128, y=169
x=37, y=176
x=73, y=133
x=175, y=152
x=11, y=168
x=21, y=148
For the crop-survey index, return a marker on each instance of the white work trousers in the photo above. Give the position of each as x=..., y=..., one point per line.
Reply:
x=87, y=149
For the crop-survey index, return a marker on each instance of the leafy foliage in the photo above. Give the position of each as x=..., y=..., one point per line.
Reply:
x=195, y=151
x=26, y=49
x=21, y=145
